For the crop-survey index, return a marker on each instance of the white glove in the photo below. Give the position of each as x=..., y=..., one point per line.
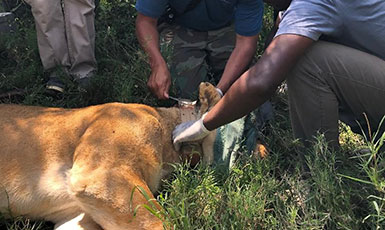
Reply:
x=189, y=131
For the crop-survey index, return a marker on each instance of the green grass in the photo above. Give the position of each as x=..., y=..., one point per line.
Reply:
x=290, y=189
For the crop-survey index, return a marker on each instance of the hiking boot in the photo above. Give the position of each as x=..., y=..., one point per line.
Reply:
x=85, y=83
x=54, y=86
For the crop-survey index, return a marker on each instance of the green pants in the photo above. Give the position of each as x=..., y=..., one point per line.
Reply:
x=195, y=56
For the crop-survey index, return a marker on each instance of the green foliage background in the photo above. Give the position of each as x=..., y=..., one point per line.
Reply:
x=292, y=188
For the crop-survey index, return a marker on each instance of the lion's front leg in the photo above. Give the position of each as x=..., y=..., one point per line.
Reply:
x=114, y=202
x=111, y=192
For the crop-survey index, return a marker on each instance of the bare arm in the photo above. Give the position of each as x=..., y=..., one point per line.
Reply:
x=240, y=58
x=257, y=84
x=148, y=36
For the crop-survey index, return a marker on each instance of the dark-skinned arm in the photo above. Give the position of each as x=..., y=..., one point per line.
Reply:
x=160, y=80
x=258, y=84
x=240, y=58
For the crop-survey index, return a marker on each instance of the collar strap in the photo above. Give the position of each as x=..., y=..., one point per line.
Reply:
x=188, y=113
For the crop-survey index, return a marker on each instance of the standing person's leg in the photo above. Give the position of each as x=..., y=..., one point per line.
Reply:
x=332, y=78
x=80, y=29
x=186, y=56
x=50, y=31
x=221, y=45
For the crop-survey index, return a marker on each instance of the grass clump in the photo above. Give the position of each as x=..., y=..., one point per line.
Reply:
x=309, y=193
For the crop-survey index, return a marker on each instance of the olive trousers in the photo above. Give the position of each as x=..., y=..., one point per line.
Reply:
x=332, y=82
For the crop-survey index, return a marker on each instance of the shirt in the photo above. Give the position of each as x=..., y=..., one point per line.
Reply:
x=358, y=24
x=210, y=14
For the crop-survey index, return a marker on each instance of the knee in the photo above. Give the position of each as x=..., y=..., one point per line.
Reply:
x=310, y=69
x=40, y=5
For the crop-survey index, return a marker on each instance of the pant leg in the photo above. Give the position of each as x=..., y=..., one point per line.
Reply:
x=50, y=31
x=331, y=78
x=80, y=29
x=221, y=44
x=186, y=58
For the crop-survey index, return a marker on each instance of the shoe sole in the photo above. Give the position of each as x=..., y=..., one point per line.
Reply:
x=55, y=88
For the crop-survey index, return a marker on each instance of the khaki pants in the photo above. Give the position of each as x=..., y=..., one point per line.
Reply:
x=66, y=34
x=333, y=82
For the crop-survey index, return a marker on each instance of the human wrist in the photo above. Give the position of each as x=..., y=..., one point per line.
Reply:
x=223, y=85
x=219, y=91
x=157, y=62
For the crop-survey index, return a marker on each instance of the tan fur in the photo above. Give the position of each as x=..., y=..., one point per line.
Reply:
x=79, y=167
x=208, y=97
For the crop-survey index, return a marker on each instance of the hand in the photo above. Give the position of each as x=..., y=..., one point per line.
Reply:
x=189, y=131
x=159, y=82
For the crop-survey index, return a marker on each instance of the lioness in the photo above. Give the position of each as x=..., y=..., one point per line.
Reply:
x=78, y=167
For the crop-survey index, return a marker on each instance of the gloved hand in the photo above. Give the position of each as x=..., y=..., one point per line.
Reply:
x=189, y=131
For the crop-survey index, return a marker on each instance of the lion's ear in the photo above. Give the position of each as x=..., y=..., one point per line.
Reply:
x=208, y=96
